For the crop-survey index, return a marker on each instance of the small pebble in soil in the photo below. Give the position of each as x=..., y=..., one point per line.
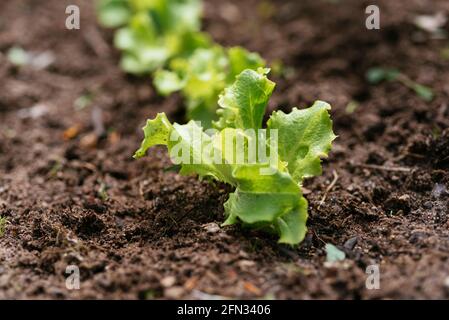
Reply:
x=417, y=236
x=196, y=294
x=174, y=292
x=350, y=243
x=211, y=227
x=439, y=190
x=168, y=281
x=89, y=141
x=246, y=264
x=34, y=112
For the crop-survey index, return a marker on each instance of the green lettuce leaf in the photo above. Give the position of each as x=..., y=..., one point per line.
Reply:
x=241, y=59
x=168, y=82
x=305, y=137
x=242, y=105
x=270, y=201
x=156, y=132
x=114, y=13
x=188, y=146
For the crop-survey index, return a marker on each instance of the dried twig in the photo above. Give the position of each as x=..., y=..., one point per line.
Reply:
x=95, y=41
x=329, y=188
x=316, y=235
x=383, y=168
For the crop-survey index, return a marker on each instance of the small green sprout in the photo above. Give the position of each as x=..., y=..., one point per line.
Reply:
x=445, y=53
x=103, y=191
x=333, y=254
x=83, y=101
x=351, y=107
x=3, y=223
x=17, y=56
x=377, y=75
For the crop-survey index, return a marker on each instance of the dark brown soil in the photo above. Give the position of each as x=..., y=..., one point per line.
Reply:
x=71, y=193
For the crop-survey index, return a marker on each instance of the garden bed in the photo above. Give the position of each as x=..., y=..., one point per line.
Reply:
x=71, y=193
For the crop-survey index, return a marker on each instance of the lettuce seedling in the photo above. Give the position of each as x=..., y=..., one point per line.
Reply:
x=203, y=76
x=267, y=192
x=153, y=32
x=164, y=37
x=3, y=222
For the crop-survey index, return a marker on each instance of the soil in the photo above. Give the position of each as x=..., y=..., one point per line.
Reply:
x=72, y=195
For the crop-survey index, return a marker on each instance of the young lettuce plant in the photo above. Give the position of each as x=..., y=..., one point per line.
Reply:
x=153, y=31
x=267, y=190
x=203, y=76
x=158, y=34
